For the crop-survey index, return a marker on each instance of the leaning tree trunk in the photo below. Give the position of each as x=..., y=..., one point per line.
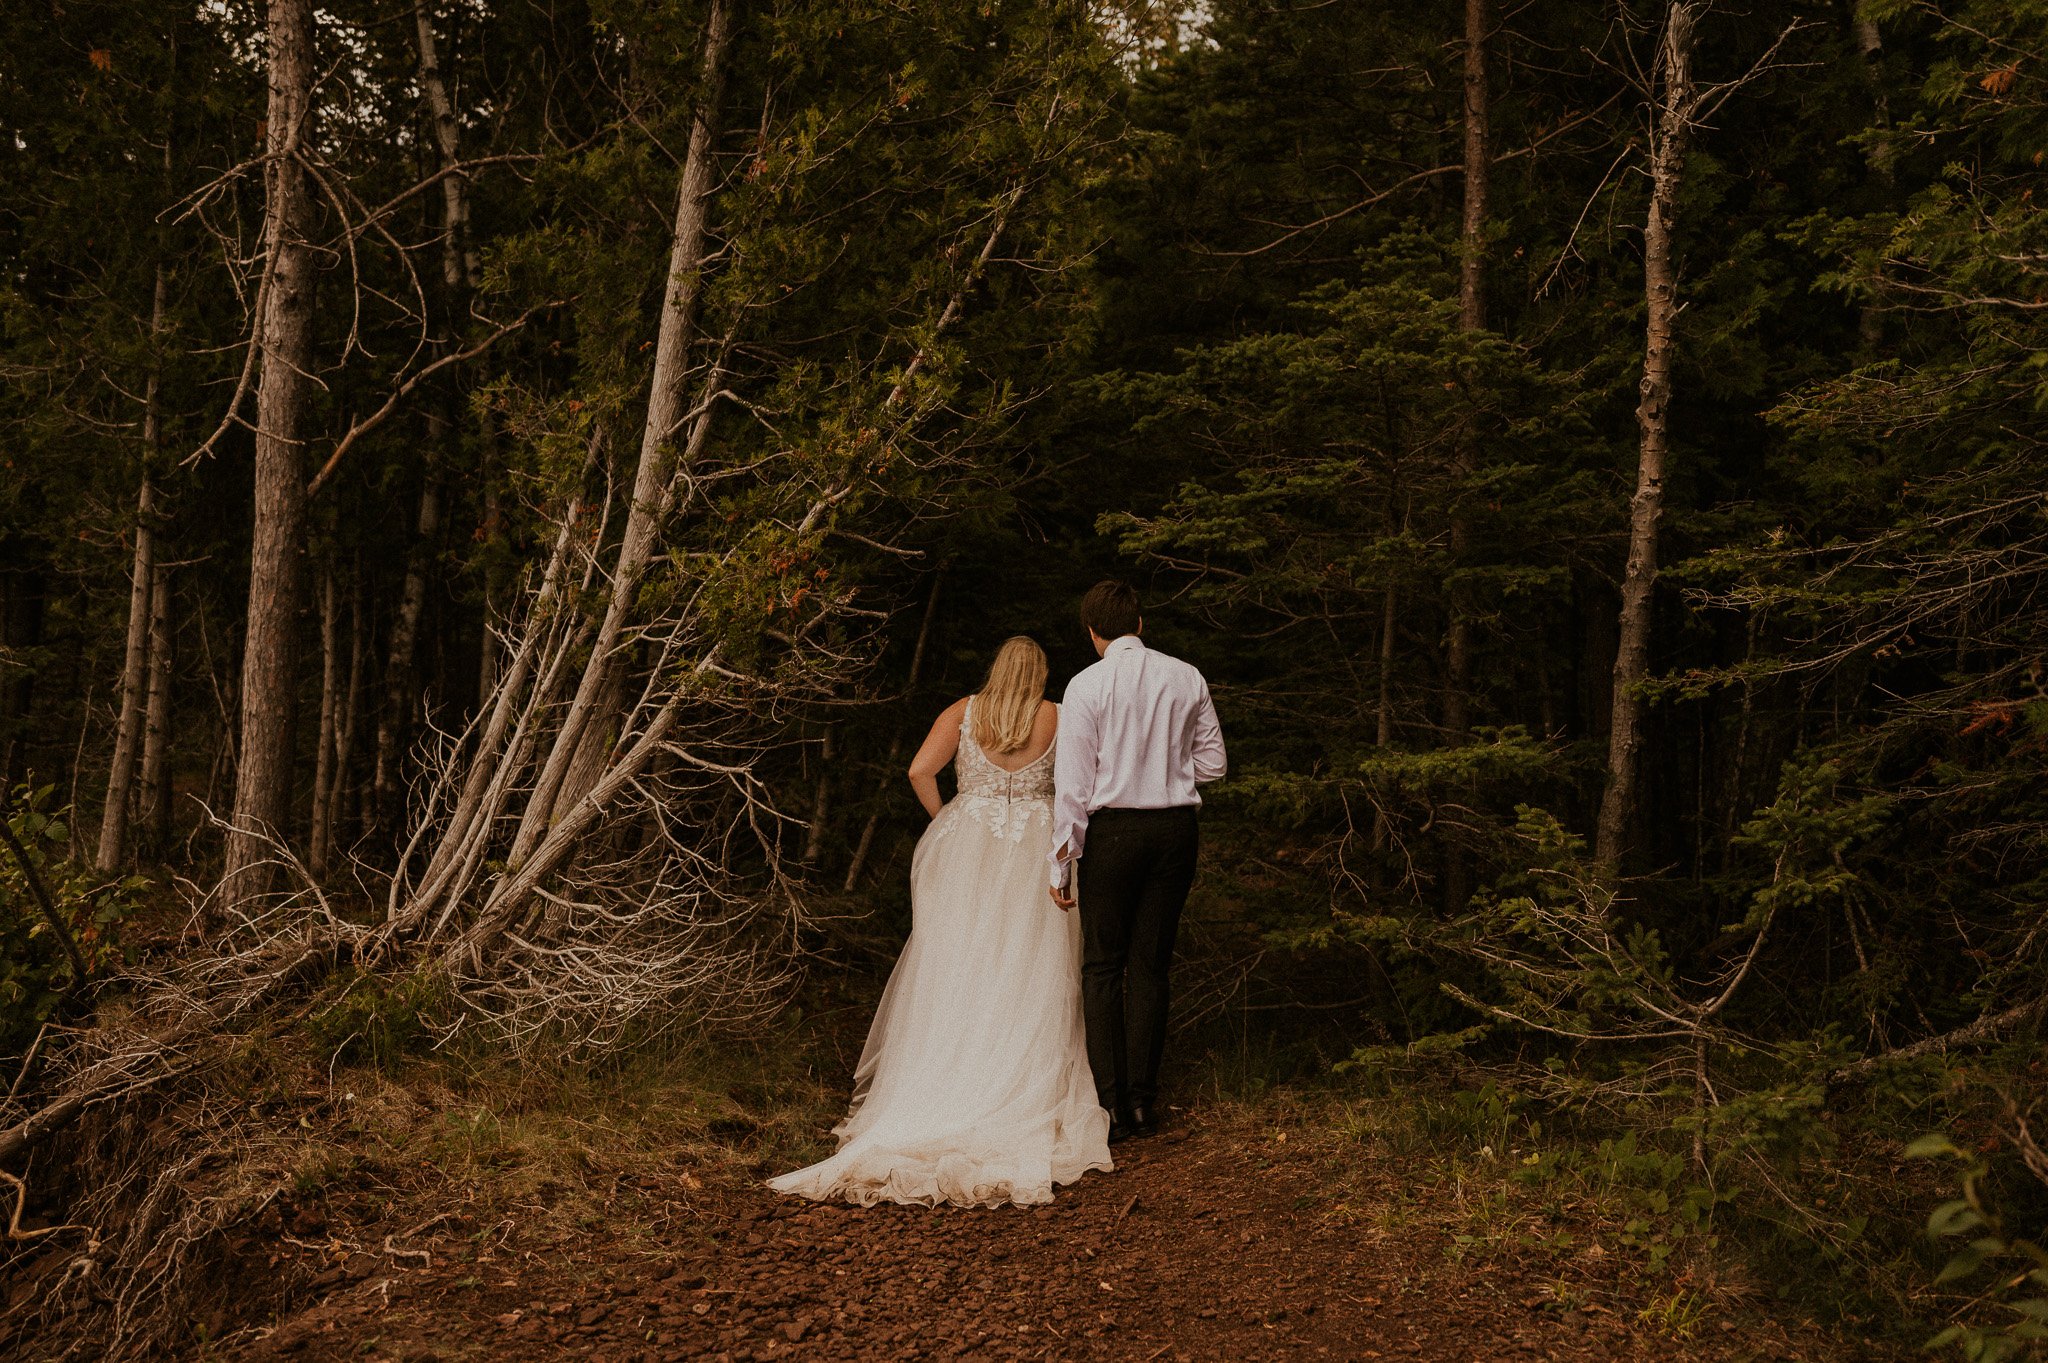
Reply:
x=135, y=671
x=1646, y=508
x=134, y=678
x=284, y=334
x=665, y=416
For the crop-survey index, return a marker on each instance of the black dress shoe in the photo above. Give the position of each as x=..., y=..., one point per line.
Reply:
x=1119, y=1131
x=1143, y=1121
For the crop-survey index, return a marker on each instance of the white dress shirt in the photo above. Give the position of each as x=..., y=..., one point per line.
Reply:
x=1137, y=731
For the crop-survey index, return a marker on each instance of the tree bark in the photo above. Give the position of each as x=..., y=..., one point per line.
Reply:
x=156, y=730
x=1478, y=169
x=396, y=716
x=458, y=258
x=665, y=414
x=1646, y=508
x=284, y=334
x=135, y=674
x=821, y=799
x=330, y=707
x=348, y=710
x=1471, y=317
x=866, y=845
x=1870, y=46
x=134, y=681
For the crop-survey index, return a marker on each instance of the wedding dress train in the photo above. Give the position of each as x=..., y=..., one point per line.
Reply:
x=974, y=1086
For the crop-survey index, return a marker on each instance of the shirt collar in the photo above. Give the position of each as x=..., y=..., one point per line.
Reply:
x=1123, y=644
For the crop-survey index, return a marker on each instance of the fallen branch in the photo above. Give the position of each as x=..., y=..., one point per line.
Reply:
x=1983, y=1029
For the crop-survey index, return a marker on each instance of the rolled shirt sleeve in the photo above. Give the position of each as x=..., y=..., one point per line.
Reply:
x=1073, y=781
x=1211, y=762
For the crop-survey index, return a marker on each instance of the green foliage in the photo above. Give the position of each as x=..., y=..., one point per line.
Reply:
x=381, y=1021
x=2004, y=1268
x=35, y=971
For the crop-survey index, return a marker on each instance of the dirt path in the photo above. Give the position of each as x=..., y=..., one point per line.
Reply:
x=1208, y=1243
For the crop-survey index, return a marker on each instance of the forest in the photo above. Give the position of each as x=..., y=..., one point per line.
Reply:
x=492, y=495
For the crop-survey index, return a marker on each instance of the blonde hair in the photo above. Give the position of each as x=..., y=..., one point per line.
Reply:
x=1006, y=707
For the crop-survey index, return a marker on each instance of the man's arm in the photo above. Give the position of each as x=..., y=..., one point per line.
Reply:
x=1210, y=760
x=1073, y=783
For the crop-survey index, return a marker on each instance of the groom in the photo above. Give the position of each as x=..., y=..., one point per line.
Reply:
x=1137, y=735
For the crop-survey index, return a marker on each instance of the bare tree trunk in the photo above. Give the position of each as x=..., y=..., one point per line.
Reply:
x=490, y=649
x=665, y=415
x=1478, y=169
x=134, y=682
x=1471, y=317
x=1870, y=46
x=821, y=799
x=156, y=729
x=348, y=710
x=866, y=845
x=458, y=258
x=330, y=707
x=284, y=332
x=396, y=715
x=1646, y=508
x=141, y=588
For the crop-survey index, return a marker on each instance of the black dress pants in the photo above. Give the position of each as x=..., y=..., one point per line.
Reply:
x=1136, y=867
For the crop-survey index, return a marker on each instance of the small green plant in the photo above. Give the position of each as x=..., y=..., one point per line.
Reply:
x=37, y=965
x=2017, y=1278
x=1678, y=1315
x=379, y=1021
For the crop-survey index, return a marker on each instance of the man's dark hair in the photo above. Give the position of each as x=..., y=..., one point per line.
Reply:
x=1111, y=609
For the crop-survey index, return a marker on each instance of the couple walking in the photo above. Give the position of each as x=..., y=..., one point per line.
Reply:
x=1020, y=1034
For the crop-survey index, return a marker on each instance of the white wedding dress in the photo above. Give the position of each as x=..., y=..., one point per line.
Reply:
x=974, y=1086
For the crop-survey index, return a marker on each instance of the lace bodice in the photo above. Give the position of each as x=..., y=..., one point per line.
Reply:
x=982, y=778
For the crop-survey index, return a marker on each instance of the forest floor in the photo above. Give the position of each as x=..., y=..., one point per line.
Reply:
x=1247, y=1230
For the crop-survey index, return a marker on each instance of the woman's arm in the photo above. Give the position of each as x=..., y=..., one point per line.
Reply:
x=939, y=746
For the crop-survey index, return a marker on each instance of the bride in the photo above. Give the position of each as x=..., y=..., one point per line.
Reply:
x=974, y=1087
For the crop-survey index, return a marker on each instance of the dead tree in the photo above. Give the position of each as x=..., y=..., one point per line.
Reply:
x=1680, y=106
x=1646, y=509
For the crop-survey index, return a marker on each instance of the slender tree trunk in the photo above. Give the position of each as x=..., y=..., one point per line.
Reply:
x=134, y=681
x=665, y=415
x=330, y=709
x=24, y=596
x=347, y=712
x=1646, y=508
x=156, y=729
x=1471, y=317
x=284, y=331
x=458, y=258
x=396, y=716
x=821, y=799
x=1870, y=46
x=141, y=589
x=1478, y=169
x=490, y=649
x=866, y=845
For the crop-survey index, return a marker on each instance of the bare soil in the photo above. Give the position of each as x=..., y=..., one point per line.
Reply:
x=1217, y=1239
